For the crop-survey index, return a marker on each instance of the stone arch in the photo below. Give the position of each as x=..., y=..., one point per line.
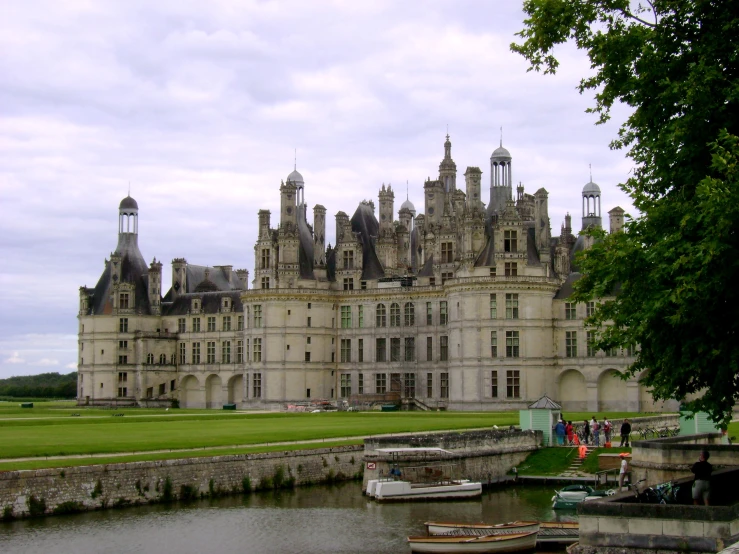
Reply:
x=612, y=393
x=190, y=392
x=646, y=402
x=236, y=389
x=213, y=392
x=573, y=393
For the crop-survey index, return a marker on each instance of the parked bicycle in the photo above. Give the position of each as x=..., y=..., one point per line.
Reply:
x=664, y=493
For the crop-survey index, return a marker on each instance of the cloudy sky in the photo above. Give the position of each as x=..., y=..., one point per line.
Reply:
x=200, y=106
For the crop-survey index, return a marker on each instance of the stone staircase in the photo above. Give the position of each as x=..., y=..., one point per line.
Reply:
x=574, y=468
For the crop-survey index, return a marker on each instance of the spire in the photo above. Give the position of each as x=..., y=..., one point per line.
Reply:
x=295, y=161
x=591, y=172
x=501, y=136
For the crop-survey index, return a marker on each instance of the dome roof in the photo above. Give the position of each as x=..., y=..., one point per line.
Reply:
x=128, y=203
x=501, y=152
x=409, y=205
x=591, y=188
x=295, y=177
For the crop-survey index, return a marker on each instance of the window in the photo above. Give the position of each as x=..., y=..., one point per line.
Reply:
x=360, y=316
x=150, y=358
x=195, y=305
x=494, y=384
x=122, y=376
x=493, y=344
x=196, y=352
x=257, y=357
x=429, y=349
x=258, y=316
x=443, y=348
x=239, y=351
x=410, y=349
x=162, y=359
x=307, y=357
x=360, y=383
x=446, y=275
x=443, y=317
x=348, y=283
x=511, y=344
x=511, y=306
x=346, y=317
x=226, y=322
x=394, y=315
x=348, y=259
x=307, y=340
x=346, y=350
x=409, y=385
x=123, y=345
x=308, y=322
x=432, y=281
x=123, y=325
x=265, y=282
x=226, y=352
x=429, y=314
x=210, y=352
x=360, y=350
x=630, y=350
x=571, y=344
x=510, y=241
x=447, y=254
x=123, y=301
x=265, y=258
x=172, y=385
x=123, y=360
x=570, y=310
x=226, y=304
x=589, y=309
x=429, y=385
x=380, y=316
x=181, y=325
x=247, y=357
x=590, y=339
x=195, y=324
x=395, y=349
x=493, y=306
x=240, y=323
x=410, y=314
x=211, y=324
x=346, y=384
x=444, y=385
x=493, y=271
x=511, y=269
x=380, y=350
x=380, y=383
x=257, y=385
x=162, y=388
x=363, y=285
x=122, y=391
x=182, y=352
x=513, y=383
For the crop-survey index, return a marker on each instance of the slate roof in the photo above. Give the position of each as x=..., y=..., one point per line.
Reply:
x=210, y=302
x=133, y=270
x=545, y=403
x=567, y=288
x=365, y=225
x=305, y=250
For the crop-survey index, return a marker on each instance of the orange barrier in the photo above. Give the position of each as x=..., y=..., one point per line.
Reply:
x=582, y=451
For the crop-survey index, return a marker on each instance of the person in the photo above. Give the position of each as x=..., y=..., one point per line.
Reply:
x=702, y=484
x=570, y=432
x=625, y=432
x=594, y=430
x=624, y=470
x=559, y=430
x=586, y=432
x=607, y=427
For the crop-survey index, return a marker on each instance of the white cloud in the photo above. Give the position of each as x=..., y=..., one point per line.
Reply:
x=46, y=362
x=15, y=359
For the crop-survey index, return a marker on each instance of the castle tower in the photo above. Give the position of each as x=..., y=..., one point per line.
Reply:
x=155, y=287
x=319, y=236
x=387, y=197
x=501, y=180
x=472, y=180
x=616, y=217
x=448, y=169
x=289, y=203
x=179, y=277
x=591, y=205
x=541, y=224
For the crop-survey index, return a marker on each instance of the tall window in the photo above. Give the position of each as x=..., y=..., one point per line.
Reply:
x=346, y=317
x=240, y=323
x=122, y=345
x=181, y=325
x=380, y=350
x=348, y=283
x=150, y=358
x=122, y=391
x=429, y=314
x=122, y=376
x=123, y=325
x=360, y=316
x=443, y=348
x=394, y=315
x=494, y=384
x=589, y=309
x=257, y=385
x=258, y=316
x=196, y=352
x=265, y=258
x=247, y=356
x=493, y=306
x=348, y=259
x=182, y=352
x=444, y=385
x=429, y=385
x=226, y=322
x=511, y=306
x=346, y=351
x=493, y=344
x=570, y=310
x=210, y=352
x=590, y=339
x=446, y=275
x=410, y=349
x=571, y=344
x=239, y=351
x=429, y=349
x=257, y=357
x=306, y=357
x=395, y=349
x=410, y=314
x=380, y=383
x=381, y=316
x=511, y=269
x=360, y=383
x=346, y=383
x=511, y=344
x=123, y=301
x=226, y=352
x=308, y=323
x=211, y=324
x=265, y=282
x=513, y=383
x=195, y=324
x=409, y=385
x=360, y=350
x=510, y=241
x=443, y=315
x=123, y=359
x=447, y=253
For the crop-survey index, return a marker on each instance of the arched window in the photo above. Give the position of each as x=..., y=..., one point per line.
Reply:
x=394, y=315
x=410, y=314
x=162, y=359
x=381, y=316
x=150, y=358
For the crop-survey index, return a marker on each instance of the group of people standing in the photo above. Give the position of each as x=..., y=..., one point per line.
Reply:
x=565, y=432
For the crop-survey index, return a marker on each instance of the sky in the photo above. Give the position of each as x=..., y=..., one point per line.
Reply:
x=200, y=109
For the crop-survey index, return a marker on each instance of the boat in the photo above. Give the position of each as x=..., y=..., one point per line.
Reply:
x=450, y=528
x=405, y=490
x=558, y=532
x=509, y=542
x=570, y=496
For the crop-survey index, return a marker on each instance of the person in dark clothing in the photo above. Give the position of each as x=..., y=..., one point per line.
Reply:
x=625, y=433
x=586, y=432
x=702, y=484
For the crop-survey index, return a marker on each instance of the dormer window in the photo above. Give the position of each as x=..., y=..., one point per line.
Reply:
x=226, y=303
x=195, y=305
x=123, y=301
x=510, y=241
x=348, y=259
x=447, y=253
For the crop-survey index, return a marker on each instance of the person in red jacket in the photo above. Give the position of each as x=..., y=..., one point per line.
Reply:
x=570, y=432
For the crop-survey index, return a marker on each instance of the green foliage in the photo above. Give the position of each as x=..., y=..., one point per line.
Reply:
x=121, y=502
x=167, y=492
x=246, y=484
x=547, y=461
x=45, y=385
x=36, y=506
x=189, y=493
x=279, y=477
x=7, y=512
x=590, y=464
x=673, y=63
x=265, y=483
x=69, y=507
x=97, y=491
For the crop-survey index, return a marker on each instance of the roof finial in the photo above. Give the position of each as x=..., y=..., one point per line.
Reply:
x=129, y=188
x=406, y=189
x=295, y=163
x=501, y=136
x=591, y=172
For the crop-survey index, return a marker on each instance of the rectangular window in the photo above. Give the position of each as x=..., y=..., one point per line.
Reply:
x=510, y=241
x=570, y=310
x=122, y=376
x=348, y=283
x=443, y=315
x=363, y=285
x=210, y=352
x=429, y=314
x=589, y=309
x=239, y=351
x=493, y=271
x=172, y=385
x=162, y=389
x=211, y=324
x=511, y=269
x=123, y=345
x=511, y=306
x=346, y=385
x=226, y=322
x=444, y=385
x=513, y=383
x=429, y=349
x=590, y=339
x=348, y=259
x=226, y=352
x=511, y=344
x=432, y=281
x=308, y=323
x=571, y=344
x=360, y=350
x=307, y=357
x=429, y=385
x=257, y=355
x=409, y=385
x=409, y=314
x=196, y=352
x=380, y=350
x=122, y=360
x=493, y=306
x=447, y=253
x=346, y=317
x=493, y=344
x=123, y=325
x=258, y=316
x=240, y=323
x=123, y=301
x=395, y=349
x=410, y=349
x=257, y=382
x=494, y=384
x=443, y=348
x=122, y=391
x=446, y=275
x=380, y=383
x=360, y=316
x=265, y=282
x=181, y=325
x=360, y=383
x=265, y=258
x=346, y=350
x=182, y=351
x=195, y=324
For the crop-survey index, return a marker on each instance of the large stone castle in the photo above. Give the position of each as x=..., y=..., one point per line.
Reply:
x=464, y=306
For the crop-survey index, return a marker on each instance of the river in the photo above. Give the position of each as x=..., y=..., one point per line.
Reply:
x=306, y=520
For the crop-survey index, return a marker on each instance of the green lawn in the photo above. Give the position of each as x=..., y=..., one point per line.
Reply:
x=547, y=461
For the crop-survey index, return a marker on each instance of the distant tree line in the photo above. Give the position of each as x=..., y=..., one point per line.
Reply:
x=45, y=385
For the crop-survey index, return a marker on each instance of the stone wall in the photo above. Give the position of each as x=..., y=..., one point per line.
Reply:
x=62, y=490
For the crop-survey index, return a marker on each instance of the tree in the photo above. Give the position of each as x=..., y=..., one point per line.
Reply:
x=675, y=266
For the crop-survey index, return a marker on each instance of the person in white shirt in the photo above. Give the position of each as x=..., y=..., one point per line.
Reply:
x=623, y=472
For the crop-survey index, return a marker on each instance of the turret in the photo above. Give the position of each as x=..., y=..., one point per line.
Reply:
x=179, y=277
x=541, y=224
x=155, y=286
x=472, y=180
x=387, y=197
x=319, y=236
x=591, y=205
x=616, y=217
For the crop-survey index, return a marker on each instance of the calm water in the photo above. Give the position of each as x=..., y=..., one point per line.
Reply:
x=307, y=520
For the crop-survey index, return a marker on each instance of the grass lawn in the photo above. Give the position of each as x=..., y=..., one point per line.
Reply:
x=547, y=461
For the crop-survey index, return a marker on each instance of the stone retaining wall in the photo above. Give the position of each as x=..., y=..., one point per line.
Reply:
x=63, y=490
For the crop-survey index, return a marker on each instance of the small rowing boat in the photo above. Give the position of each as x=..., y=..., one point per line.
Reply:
x=509, y=542
x=450, y=528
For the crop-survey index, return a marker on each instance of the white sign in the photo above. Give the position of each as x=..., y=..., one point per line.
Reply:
x=371, y=465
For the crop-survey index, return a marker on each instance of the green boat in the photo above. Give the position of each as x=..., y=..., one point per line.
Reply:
x=570, y=496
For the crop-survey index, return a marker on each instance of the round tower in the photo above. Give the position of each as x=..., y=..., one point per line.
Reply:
x=591, y=205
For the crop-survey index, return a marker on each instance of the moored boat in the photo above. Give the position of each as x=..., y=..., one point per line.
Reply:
x=450, y=528
x=404, y=490
x=510, y=542
x=570, y=496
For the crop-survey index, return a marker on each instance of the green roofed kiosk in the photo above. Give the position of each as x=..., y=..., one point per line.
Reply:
x=542, y=416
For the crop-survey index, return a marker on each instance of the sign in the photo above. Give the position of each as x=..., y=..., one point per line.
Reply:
x=371, y=465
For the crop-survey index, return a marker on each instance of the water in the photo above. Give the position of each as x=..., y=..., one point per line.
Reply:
x=307, y=520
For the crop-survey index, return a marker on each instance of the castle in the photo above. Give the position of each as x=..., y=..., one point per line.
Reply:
x=464, y=306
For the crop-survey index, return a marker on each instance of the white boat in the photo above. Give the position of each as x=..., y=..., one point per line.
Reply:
x=512, y=542
x=405, y=490
x=449, y=528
